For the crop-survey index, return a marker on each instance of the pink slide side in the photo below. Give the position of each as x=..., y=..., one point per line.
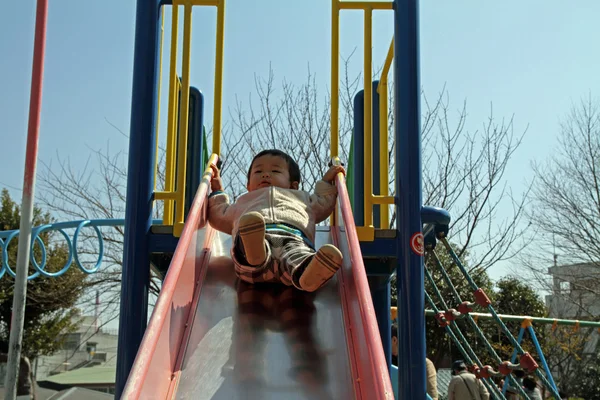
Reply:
x=214, y=337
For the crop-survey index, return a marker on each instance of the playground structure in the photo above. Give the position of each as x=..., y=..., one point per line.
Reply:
x=199, y=308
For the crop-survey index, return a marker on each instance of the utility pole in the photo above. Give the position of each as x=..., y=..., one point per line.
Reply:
x=33, y=130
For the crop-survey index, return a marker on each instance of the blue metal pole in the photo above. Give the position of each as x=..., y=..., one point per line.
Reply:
x=358, y=162
x=542, y=358
x=410, y=272
x=382, y=302
x=513, y=358
x=375, y=153
x=195, y=147
x=380, y=285
x=138, y=212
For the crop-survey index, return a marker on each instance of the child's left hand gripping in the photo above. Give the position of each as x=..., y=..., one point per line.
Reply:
x=332, y=173
x=215, y=183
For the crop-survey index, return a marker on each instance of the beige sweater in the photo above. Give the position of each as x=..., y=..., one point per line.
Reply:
x=465, y=386
x=284, y=206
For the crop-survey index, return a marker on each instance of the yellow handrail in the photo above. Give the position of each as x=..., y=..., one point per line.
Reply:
x=169, y=194
x=363, y=5
x=160, y=54
x=382, y=89
x=366, y=232
x=216, y=146
x=184, y=113
x=368, y=119
x=335, y=72
x=178, y=110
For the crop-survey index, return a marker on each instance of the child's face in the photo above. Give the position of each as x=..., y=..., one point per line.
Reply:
x=269, y=170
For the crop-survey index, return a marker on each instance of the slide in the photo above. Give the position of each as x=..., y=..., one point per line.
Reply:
x=212, y=336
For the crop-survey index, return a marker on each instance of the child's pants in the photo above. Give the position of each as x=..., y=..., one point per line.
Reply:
x=287, y=257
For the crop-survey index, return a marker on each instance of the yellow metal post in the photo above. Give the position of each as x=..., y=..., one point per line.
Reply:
x=382, y=89
x=172, y=112
x=218, y=105
x=368, y=131
x=335, y=70
x=160, y=54
x=183, y=120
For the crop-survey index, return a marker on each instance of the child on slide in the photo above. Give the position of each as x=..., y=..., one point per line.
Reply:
x=273, y=225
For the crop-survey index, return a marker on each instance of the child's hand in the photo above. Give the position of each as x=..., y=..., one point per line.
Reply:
x=216, y=184
x=332, y=173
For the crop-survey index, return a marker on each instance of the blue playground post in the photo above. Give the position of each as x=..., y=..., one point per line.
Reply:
x=379, y=284
x=358, y=159
x=196, y=147
x=140, y=185
x=540, y=352
x=410, y=274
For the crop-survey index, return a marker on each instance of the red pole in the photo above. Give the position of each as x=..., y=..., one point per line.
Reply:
x=33, y=130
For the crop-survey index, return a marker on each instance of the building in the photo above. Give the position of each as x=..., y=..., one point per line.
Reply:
x=88, y=359
x=576, y=295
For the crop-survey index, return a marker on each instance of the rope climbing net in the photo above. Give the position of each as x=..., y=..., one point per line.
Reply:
x=448, y=313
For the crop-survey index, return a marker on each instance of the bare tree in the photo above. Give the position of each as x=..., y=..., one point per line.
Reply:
x=564, y=258
x=97, y=192
x=464, y=170
x=565, y=212
x=566, y=196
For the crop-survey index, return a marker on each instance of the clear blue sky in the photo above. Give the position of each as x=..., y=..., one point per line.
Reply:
x=530, y=58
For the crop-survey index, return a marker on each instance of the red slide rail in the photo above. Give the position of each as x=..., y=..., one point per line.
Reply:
x=160, y=350
x=369, y=366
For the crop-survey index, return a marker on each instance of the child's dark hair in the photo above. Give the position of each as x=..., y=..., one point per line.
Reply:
x=519, y=373
x=529, y=383
x=394, y=330
x=293, y=167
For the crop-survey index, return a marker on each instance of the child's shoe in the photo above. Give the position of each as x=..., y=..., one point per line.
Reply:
x=252, y=233
x=321, y=268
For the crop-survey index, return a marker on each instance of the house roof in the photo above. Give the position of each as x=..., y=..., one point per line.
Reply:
x=84, y=376
x=76, y=393
x=444, y=376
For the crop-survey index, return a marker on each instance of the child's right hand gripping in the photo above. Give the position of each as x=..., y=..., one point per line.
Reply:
x=215, y=183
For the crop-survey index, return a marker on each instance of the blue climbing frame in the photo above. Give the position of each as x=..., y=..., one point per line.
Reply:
x=142, y=144
x=409, y=270
x=140, y=186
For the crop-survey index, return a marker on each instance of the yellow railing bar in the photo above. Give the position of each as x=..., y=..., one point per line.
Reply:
x=213, y=3
x=160, y=54
x=178, y=114
x=382, y=200
x=387, y=65
x=218, y=103
x=183, y=115
x=335, y=72
x=382, y=89
x=171, y=120
x=368, y=119
x=364, y=5
x=165, y=196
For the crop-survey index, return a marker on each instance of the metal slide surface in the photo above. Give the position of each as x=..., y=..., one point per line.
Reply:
x=264, y=342
x=214, y=337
